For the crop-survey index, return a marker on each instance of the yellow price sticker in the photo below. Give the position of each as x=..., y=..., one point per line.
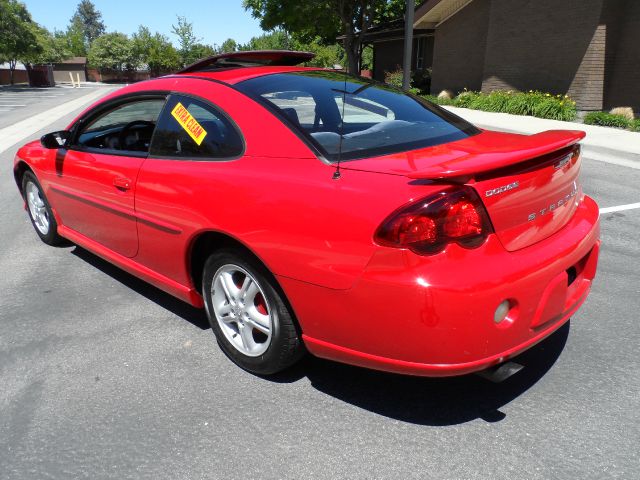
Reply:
x=190, y=124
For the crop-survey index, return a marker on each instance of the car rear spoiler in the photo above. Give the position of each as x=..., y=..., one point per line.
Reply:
x=253, y=58
x=471, y=163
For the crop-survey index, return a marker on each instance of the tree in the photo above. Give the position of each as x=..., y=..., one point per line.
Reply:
x=18, y=34
x=351, y=18
x=229, y=45
x=276, y=40
x=89, y=19
x=199, y=51
x=53, y=47
x=327, y=56
x=114, y=51
x=155, y=51
x=75, y=38
x=187, y=40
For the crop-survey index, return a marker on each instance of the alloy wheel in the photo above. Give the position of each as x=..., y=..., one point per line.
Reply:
x=37, y=208
x=241, y=310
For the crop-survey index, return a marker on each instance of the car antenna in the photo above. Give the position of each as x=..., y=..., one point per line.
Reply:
x=336, y=174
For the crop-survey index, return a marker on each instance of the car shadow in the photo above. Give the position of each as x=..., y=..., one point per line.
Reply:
x=195, y=316
x=417, y=400
x=429, y=401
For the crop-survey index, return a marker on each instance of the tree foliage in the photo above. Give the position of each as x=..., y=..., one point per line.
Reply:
x=112, y=51
x=190, y=47
x=89, y=20
x=155, y=51
x=276, y=40
x=53, y=47
x=199, y=51
x=18, y=34
x=75, y=38
x=330, y=18
x=229, y=45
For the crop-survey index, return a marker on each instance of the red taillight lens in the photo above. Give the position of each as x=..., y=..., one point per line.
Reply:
x=427, y=226
x=462, y=219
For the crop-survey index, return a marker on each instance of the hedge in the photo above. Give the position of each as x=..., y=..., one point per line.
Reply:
x=533, y=103
x=605, y=119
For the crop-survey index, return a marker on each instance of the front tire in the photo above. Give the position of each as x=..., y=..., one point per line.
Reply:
x=40, y=214
x=248, y=314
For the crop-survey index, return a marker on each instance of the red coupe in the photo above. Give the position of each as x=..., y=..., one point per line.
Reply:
x=305, y=209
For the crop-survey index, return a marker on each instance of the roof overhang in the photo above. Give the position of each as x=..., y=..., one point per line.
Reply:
x=433, y=12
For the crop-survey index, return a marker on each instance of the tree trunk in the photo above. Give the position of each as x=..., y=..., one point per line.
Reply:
x=12, y=68
x=29, y=70
x=351, y=46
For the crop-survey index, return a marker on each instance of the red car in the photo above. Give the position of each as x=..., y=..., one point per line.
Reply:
x=310, y=210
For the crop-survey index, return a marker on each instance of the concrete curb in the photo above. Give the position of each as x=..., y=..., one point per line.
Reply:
x=605, y=144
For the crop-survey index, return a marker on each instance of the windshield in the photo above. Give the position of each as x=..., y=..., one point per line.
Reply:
x=355, y=116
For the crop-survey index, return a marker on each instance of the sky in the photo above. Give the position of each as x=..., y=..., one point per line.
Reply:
x=213, y=20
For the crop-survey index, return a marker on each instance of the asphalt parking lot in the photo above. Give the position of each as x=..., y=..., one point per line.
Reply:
x=103, y=376
x=19, y=102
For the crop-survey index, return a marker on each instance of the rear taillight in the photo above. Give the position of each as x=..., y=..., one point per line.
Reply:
x=428, y=225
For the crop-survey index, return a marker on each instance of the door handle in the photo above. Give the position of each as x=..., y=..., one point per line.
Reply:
x=122, y=183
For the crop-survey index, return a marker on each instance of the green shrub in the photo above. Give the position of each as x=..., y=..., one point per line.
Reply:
x=555, y=109
x=634, y=125
x=421, y=79
x=394, y=78
x=605, y=119
x=524, y=103
x=537, y=104
x=438, y=101
x=466, y=99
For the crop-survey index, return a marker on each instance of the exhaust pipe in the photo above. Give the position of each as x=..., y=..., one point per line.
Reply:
x=501, y=372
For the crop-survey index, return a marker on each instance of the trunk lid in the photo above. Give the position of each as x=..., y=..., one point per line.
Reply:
x=528, y=184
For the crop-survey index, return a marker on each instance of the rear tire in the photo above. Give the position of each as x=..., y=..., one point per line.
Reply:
x=248, y=314
x=40, y=213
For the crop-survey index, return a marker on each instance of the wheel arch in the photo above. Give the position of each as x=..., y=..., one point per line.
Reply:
x=207, y=242
x=19, y=170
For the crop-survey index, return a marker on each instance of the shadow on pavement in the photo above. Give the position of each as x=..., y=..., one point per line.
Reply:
x=418, y=400
x=429, y=401
x=195, y=316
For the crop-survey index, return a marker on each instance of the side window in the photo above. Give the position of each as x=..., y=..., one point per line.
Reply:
x=194, y=129
x=127, y=127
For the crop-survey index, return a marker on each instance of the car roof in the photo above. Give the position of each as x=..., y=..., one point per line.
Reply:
x=232, y=76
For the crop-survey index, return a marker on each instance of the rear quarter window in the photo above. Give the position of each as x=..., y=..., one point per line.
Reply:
x=190, y=128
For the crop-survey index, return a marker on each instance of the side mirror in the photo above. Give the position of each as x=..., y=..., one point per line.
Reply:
x=55, y=139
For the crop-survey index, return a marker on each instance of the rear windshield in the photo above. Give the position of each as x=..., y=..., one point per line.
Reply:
x=354, y=116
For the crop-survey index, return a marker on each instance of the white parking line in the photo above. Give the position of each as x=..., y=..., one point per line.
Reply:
x=26, y=95
x=10, y=105
x=620, y=208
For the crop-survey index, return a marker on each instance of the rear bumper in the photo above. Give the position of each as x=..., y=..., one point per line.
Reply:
x=434, y=316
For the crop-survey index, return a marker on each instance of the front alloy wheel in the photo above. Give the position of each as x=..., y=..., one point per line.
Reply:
x=39, y=210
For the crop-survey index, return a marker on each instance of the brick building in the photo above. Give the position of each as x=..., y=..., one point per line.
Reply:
x=589, y=49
